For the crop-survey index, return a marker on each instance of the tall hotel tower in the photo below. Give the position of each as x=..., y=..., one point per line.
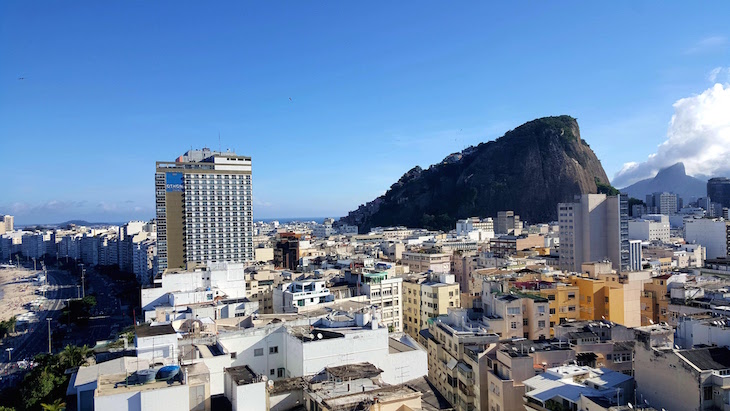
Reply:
x=204, y=212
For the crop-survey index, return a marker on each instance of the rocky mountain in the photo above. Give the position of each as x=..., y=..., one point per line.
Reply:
x=673, y=178
x=529, y=170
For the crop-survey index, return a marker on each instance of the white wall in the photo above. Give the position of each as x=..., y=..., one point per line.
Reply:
x=250, y=397
x=709, y=233
x=171, y=398
x=157, y=348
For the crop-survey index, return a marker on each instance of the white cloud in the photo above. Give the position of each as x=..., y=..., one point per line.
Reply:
x=698, y=136
x=707, y=44
x=719, y=74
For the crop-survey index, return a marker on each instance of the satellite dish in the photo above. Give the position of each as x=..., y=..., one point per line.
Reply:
x=264, y=378
x=319, y=336
x=311, y=336
x=270, y=383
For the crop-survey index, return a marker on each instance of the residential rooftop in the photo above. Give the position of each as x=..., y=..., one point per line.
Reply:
x=242, y=375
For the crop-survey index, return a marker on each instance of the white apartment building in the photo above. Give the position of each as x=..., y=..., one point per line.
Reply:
x=482, y=227
x=384, y=291
x=290, y=297
x=635, y=255
x=204, y=209
x=296, y=348
x=143, y=255
x=650, y=227
x=218, y=290
x=711, y=233
x=594, y=229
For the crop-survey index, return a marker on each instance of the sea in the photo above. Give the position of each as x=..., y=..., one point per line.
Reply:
x=284, y=220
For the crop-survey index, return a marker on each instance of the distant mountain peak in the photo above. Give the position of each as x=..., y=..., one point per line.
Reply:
x=672, y=179
x=674, y=170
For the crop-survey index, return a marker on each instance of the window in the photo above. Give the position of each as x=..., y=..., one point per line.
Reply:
x=707, y=393
x=272, y=371
x=280, y=373
x=541, y=308
x=274, y=349
x=524, y=322
x=513, y=310
x=571, y=295
x=552, y=311
x=541, y=324
x=513, y=325
x=551, y=297
x=258, y=352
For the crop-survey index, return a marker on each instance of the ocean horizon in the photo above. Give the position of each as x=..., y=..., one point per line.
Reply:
x=285, y=220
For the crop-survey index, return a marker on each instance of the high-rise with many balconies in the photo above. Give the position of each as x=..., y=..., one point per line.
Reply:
x=203, y=209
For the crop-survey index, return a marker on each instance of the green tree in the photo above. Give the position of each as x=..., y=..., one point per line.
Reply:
x=11, y=323
x=38, y=387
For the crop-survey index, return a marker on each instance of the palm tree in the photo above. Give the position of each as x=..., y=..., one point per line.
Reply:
x=57, y=405
x=73, y=356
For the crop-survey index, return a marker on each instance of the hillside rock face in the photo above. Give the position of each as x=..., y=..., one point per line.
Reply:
x=529, y=170
x=673, y=179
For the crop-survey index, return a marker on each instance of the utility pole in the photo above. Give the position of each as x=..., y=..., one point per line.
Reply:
x=49, y=335
x=83, y=276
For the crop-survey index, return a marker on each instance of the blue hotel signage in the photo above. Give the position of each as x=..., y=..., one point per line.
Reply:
x=173, y=182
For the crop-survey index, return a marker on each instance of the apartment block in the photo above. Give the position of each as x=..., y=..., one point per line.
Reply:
x=419, y=262
x=290, y=297
x=508, y=223
x=711, y=233
x=510, y=364
x=513, y=314
x=650, y=227
x=385, y=292
x=427, y=296
x=607, y=294
x=593, y=229
x=204, y=209
x=456, y=364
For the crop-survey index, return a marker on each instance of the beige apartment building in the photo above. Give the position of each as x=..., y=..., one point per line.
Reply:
x=456, y=363
x=427, y=296
x=513, y=314
x=420, y=262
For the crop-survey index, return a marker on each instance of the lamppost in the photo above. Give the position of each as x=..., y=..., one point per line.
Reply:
x=49, y=334
x=10, y=354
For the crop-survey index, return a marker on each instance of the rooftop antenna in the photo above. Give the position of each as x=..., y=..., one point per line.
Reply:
x=220, y=150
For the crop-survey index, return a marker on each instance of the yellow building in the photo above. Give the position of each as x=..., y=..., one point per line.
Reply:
x=563, y=302
x=655, y=300
x=615, y=297
x=427, y=297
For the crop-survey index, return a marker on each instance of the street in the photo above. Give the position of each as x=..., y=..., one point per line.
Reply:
x=106, y=319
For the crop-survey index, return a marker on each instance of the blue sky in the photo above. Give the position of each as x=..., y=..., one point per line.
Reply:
x=375, y=88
